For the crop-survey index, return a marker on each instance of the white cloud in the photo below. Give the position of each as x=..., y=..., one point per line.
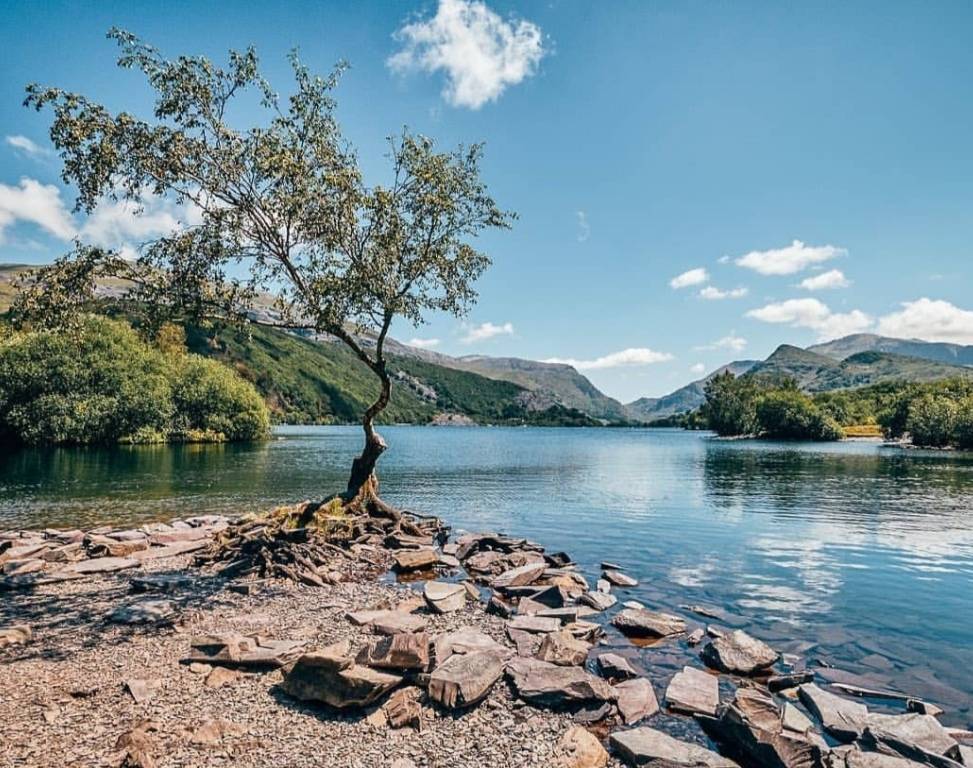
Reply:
x=423, y=343
x=485, y=331
x=480, y=52
x=27, y=146
x=712, y=293
x=584, y=229
x=625, y=358
x=930, y=320
x=731, y=342
x=690, y=277
x=813, y=314
x=833, y=278
x=697, y=368
x=124, y=225
x=37, y=203
x=789, y=259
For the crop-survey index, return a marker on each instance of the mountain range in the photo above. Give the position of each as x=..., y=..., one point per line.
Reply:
x=318, y=380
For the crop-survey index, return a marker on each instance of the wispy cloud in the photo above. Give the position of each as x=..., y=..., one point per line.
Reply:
x=584, y=230
x=36, y=203
x=124, y=224
x=423, y=343
x=697, y=368
x=731, y=342
x=813, y=314
x=690, y=277
x=27, y=146
x=833, y=278
x=484, y=331
x=712, y=293
x=790, y=259
x=930, y=320
x=480, y=52
x=625, y=358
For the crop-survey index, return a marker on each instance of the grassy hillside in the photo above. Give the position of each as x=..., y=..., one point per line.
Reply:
x=308, y=381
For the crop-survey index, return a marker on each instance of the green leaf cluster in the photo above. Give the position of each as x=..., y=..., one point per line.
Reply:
x=100, y=382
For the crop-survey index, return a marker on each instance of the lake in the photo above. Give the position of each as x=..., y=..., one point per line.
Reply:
x=853, y=555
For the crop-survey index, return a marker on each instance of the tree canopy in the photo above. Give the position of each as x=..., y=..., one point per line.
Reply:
x=281, y=217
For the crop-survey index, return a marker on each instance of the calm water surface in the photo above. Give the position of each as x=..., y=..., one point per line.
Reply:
x=851, y=554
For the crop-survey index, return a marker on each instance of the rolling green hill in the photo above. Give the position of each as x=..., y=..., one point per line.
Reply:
x=307, y=381
x=942, y=352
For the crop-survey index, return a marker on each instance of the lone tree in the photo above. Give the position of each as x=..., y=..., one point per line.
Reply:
x=280, y=209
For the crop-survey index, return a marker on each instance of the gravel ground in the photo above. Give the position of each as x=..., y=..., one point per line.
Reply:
x=64, y=701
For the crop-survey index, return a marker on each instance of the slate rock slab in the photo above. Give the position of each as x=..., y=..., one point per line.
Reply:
x=464, y=679
x=693, y=691
x=647, y=746
x=739, y=653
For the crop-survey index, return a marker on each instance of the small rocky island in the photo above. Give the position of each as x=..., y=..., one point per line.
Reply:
x=211, y=641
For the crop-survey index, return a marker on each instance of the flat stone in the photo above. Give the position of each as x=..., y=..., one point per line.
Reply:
x=179, y=536
x=212, y=732
x=579, y=748
x=235, y=650
x=563, y=649
x=170, y=550
x=220, y=676
x=616, y=667
x=102, y=565
x=18, y=634
x=793, y=719
x=535, y=624
x=520, y=577
x=332, y=677
x=924, y=731
x=552, y=597
x=693, y=690
x=636, y=700
x=783, y=682
x=106, y=546
x=738, y=653
x=695, y=637
x=500, y=608
x=856, y=758
x=160, y=583
x=600, y=601
x=415, y=559
x=528, y=644
x=141, y=691
x=464, y=679
x=642, y=623
x=842, y=718
x=467, y=640
x=144, y=612
x=405, y=650
x=548, y=684
x=619, y=579
x=387, y=622
x=23, y=567
x=444, y=598
x=647, y=746
x=603, y=585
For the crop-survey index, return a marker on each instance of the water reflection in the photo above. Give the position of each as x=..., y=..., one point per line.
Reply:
x=848, y=553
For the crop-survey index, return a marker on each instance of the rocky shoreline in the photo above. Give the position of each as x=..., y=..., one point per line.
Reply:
x=208, y=642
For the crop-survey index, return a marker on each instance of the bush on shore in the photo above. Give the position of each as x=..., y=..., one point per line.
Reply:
x=101, y=383
x=788, y=414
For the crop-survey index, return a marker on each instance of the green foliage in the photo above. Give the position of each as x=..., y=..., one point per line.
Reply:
x=963, y=429
x=932, y=420
x=731, y=405
x=101, y=383
x=791, y=415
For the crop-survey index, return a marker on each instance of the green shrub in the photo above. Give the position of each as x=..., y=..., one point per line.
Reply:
x=730, y=407
x=963, y=429
x=101, y=383
x=932, y=420
x=791, y=415
x=210, y=397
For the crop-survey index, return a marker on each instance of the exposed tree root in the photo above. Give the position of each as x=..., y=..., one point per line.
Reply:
x=317, y=543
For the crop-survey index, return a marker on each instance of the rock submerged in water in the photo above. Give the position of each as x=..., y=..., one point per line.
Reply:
x=738, y=653
x=640, y=622
x=619, y=579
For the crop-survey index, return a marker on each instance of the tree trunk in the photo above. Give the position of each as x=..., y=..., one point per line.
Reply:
x=363, y=483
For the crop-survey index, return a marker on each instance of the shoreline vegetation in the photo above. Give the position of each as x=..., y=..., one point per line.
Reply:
x=178, y=642
x=936, y=414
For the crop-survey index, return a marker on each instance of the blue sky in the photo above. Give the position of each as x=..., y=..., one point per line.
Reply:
x=796, y=171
